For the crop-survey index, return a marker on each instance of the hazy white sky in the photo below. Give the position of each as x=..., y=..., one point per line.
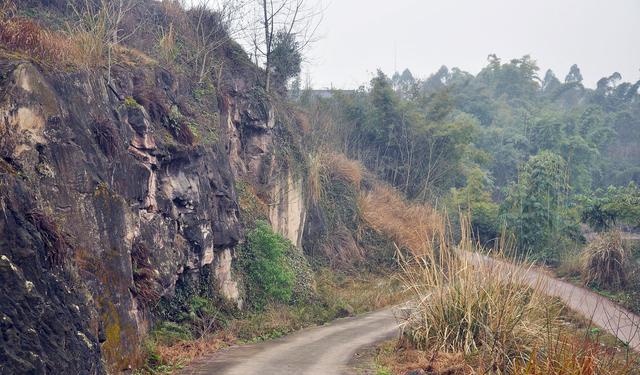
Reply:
x=360, y=36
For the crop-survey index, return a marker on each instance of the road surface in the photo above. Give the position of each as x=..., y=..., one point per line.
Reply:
x=323, y=350
x=326, y=350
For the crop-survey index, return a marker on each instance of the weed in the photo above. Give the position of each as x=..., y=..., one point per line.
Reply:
x=471, y=307
x=130, y=102
x=167, y=46
x=30, y=38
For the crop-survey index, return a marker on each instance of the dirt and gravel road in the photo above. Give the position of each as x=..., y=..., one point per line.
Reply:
x=326, y=350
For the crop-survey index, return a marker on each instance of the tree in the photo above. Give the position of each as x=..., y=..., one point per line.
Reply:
x=285, y=21
x=286, y=58
x=550, y=82
x=574, y=75
x=535, y=205
x=603, y=209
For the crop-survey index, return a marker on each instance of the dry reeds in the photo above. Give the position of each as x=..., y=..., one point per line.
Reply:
x=605, y=261
x=409, y=225
x=465, y=305
x=572, y=355
x=315, y=183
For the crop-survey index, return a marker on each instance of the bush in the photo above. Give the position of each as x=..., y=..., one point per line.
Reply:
x=269, y=276
x=605, y=262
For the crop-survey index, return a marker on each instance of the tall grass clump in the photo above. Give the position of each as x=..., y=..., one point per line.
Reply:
x=605, y=262
x=463, y=303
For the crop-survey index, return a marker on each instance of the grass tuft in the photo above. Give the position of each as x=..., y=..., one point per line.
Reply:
x=605, y=262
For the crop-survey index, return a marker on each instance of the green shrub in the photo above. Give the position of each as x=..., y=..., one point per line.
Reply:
x=269, y=276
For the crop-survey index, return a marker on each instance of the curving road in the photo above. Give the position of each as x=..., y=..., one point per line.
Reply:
x=323, y=350
x=327, y=349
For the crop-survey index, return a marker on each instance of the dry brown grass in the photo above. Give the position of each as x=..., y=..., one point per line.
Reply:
x=605, y=261
x=340, y=167
x=25, y=36
x=341, y=248
x=400, y=359
x=78, y=48
x=409, y=225
x=574, y=356
x=325, y=167
x=181, y=353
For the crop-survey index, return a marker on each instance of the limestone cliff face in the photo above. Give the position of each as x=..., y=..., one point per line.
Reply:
x=111, y=191
x=250, y=125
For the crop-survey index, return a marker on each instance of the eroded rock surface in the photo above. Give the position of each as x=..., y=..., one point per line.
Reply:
x=136, y=202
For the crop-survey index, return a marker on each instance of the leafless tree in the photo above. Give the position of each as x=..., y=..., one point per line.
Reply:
x=102, y=20
x=293, y=18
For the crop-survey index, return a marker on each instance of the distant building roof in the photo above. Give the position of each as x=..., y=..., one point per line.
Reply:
x=328, y=93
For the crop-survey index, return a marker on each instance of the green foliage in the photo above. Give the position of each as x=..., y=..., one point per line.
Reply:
x=270, y=277
x=169, y=332
x=203, y=90
x=475, y=199
x=130, y=102
x=412, y=139
x=285, y=57
x=535, y=208
x=603, y=209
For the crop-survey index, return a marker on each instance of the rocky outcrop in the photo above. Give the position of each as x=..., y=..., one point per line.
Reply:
x=250, y=125
x=45, y=322
x=114, y=191
x=139, y=207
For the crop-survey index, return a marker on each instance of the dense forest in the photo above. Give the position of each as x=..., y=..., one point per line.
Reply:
x=530, y=155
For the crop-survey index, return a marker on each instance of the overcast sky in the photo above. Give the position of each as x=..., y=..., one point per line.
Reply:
x=360, y=36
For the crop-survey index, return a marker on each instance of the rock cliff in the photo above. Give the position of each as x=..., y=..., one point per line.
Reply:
x=113, y=189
